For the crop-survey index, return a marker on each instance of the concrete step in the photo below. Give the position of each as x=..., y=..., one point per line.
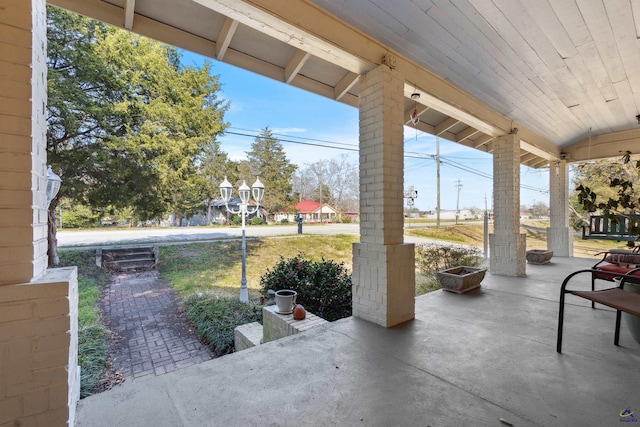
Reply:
x=136, y=258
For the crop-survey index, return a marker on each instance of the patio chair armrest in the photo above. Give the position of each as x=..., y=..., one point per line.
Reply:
x=565, y=282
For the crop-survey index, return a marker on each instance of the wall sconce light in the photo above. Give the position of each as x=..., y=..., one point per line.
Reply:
x=638, y=118
x=53, y=185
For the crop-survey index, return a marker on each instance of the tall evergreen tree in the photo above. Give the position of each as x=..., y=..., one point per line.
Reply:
x=126, y=122
x=268, y=161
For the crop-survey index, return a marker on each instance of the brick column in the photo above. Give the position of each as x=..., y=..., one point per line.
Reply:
x=507, y=245
x=23, y=94
x=383, y=266
x=559, y=235
x=39, y=374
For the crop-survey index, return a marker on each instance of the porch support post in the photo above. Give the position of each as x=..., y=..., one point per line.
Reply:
x=559, y=234
x=39, y=373
x=23, y=95
x=383, y=266
x=507, y=245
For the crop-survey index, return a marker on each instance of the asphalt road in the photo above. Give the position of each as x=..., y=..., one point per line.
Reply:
x=114, y=237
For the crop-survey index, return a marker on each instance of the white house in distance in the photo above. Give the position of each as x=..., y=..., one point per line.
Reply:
x=311, y=212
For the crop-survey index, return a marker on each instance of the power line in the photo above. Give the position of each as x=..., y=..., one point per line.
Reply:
x=408, y=154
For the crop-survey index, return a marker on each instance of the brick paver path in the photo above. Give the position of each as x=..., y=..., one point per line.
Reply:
x=153, y=336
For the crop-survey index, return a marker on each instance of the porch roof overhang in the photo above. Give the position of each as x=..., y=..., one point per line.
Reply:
x=562, y=75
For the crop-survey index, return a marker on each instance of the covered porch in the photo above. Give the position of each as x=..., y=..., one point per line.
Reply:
x=531, y=84
x=469, y=359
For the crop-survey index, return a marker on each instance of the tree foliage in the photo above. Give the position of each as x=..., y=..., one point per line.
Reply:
x=126, y=121
x=607, y=187
x=268, y=161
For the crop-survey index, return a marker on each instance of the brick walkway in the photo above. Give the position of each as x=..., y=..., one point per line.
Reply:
x=153, y=336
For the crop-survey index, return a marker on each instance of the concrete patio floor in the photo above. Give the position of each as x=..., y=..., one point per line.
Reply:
x=466, y=360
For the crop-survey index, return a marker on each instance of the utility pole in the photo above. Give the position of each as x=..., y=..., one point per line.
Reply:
x=459, y=185
x=438, y=181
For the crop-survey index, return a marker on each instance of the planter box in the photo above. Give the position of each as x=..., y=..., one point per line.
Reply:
x=461, y=279
x=539, y=256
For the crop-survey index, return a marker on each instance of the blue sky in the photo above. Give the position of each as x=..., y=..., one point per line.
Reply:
x=257, y=102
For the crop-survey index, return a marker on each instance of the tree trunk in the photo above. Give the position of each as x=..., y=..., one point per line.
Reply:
x=52, y=252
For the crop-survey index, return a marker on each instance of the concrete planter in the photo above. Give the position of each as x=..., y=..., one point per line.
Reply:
x=539, y=256
x=461, y=279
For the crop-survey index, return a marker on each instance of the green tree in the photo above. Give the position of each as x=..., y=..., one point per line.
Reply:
x=607, y=187
x=126, y=122
x=214, y=166
x=268, y=161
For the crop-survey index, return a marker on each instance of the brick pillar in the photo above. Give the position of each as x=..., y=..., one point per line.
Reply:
x=383, y=266
x=23, y=94
x=559, y=235
x=507, y=245
x=39, y=374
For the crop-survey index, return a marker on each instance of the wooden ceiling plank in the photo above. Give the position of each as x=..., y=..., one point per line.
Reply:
x=129, y=11
x=225, y=35
x=345, y=84
x=600, y=25
x=295, y=65
x=624, y=31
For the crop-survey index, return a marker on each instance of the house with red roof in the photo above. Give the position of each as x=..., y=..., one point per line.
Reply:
x=310, y=211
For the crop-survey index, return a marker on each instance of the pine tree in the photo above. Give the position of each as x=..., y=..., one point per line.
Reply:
x=268, y=161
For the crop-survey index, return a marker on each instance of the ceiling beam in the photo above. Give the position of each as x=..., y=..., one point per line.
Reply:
x=539, y=163
x=526, y=146
x=420, y=111
x=268, y=19
x=295, y=65
x=112, y=15
x=481, y=140
x=225, y=35
x=527, y=157
x=467, y=133
x=451, y=111
x=445, y=125
x=604, y=146
x=129, y=10
x=345, y=84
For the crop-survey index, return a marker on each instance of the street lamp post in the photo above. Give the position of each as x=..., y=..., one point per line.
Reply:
x=258, y=191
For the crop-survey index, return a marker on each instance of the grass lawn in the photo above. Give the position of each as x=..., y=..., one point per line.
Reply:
x=216, y=267
x=93, y=337
x=473, y=235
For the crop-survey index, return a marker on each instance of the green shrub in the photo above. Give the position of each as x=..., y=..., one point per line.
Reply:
x=430, y=258
x=215, y=318
x=284, y=221
x=256, y=220
x=235, y=220
x=344, y=219
x=324, y=287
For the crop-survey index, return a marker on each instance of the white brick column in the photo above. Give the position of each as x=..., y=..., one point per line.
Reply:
x=23, y=94
x=383, y=266
x=559, y=235
x=507, y=245
x=39, y=374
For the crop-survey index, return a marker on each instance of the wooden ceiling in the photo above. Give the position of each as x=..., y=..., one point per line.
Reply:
x=564, y=74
